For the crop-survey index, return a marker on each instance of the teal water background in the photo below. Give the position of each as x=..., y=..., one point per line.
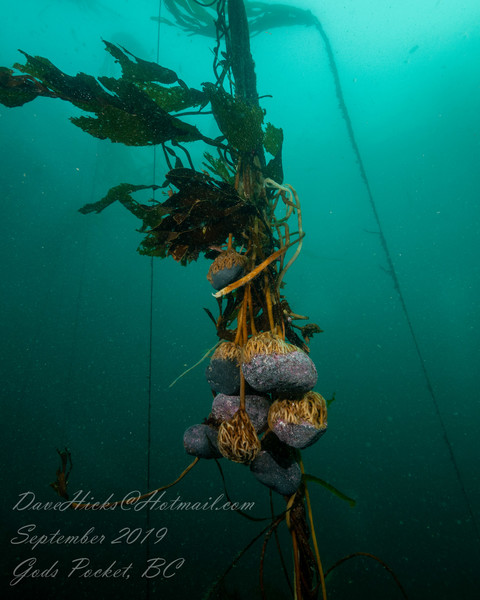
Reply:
x=76, y=303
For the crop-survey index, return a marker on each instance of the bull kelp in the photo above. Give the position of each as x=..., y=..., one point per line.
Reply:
x=239, y=213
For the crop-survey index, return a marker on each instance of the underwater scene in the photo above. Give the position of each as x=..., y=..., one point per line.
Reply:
x=240, y=299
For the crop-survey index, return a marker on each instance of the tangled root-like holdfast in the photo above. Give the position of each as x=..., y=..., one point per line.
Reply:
x=290, y=198
x=237, y=439
x=256, y=271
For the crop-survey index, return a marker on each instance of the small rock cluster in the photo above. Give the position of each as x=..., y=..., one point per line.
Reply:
x=280, y=406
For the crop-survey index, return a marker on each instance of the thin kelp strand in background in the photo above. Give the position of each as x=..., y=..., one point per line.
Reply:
x=372, y=556
x=393, y=274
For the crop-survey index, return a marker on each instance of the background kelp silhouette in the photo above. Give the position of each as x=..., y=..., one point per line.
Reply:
x=191, y=220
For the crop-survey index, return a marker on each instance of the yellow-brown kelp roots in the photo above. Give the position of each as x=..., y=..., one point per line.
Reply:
x=228, y=351
x=299, y=423
x=226, y=268
x=237, y=439
x=266, y=343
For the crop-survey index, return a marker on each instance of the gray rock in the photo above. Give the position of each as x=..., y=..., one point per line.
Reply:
x=289, y=374
x=296, y=435
x=279, y=474
x=223, y=376
x=225, y=277
x=201, y=440
x=224, y=407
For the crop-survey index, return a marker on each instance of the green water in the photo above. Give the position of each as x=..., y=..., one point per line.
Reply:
x=75, y=318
